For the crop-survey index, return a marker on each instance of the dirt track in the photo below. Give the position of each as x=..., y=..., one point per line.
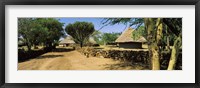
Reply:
x=73, y=60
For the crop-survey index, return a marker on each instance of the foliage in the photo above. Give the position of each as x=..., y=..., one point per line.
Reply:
x=139, y=32
x=80, y=31
x=104, y=38
x=137, y=22
x=34, y=31
x=160, y=32
x=109, y=37
x=97, y=36
x=54, y=28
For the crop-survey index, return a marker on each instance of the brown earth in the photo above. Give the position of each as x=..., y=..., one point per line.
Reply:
x=73, y=60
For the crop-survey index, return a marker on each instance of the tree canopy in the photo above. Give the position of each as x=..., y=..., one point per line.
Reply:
x=109, y=37
x=80, y=31
x=160, y=33
x=35, y=31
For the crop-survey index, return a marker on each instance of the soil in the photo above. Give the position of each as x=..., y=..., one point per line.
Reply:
x=73, y=60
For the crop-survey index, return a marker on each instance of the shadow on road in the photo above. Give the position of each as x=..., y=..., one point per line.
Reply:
x=28, y=55
x=48, y=56
x=62, y=50
x=126, y=66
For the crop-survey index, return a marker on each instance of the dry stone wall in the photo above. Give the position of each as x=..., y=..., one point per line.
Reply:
x=128, y=55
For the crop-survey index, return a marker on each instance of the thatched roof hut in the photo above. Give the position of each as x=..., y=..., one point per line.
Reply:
x=125, y=40
x=91, y=42
x=67, y=41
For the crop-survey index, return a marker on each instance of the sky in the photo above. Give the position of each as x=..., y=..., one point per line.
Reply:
x=117, y=28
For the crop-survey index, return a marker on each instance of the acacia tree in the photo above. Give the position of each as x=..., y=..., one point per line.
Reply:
x=80, y=31
x=154, y=28
x=175, y=26
x=54, y=28
x=31, y=32
x=36, y=31
x=24, y=26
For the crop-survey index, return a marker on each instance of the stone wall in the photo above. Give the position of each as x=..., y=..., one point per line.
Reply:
x=133, y=56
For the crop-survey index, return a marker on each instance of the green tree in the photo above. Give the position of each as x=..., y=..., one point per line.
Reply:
x=80, y=31
x=38, y=34
x=97, y=36
x=154, y=28
x=54, y=28
x=35, y=31
x=26, y=28
x=139, y=32
x=175, y=26
x=109, y=37
x=23, y=26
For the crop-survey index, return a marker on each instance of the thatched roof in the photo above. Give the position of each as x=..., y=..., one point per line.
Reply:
x=91, y=41
x=67, y=40
x=126, y=36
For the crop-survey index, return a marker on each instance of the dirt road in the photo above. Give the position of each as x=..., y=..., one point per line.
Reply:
x=73, y=60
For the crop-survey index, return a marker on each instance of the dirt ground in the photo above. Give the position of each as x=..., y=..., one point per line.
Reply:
x=73, y=60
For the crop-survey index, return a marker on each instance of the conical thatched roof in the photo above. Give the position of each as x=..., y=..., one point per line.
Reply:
x=91, y=40
x=142, y=39
x=126, y=36
x=67, y=40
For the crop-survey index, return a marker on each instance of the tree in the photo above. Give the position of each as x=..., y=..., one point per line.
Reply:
x=109, y=37
x=175, y=26
x=154, y=29
x=104, y=38
x=155, y=32
x=29, y=30
x=97, y=36
x=23, y=27
x=38, y=34
x=139, y=32
x=54, y=28
x=80, y=31
x=35, y=31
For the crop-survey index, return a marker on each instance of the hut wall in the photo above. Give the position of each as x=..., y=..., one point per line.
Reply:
x=133, y=45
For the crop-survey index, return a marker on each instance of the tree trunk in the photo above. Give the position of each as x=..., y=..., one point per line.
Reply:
x=159, y=28
x=35, y=47
x=81, y=44
x=168, y=42
x=28, y=44
x=175, y=53
x=152, y=43
x=155, y=57
x=29, y=47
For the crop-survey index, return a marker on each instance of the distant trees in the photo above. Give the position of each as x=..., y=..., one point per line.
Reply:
x=109, y=37
x=35, y=31
x=104, y=38
x=80, y=31
x=97, y=36
x=139, y=32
